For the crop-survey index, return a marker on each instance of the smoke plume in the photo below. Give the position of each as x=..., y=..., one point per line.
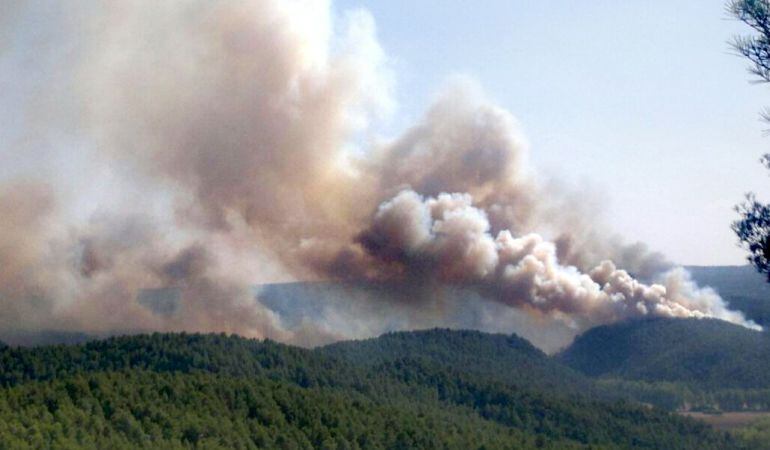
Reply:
x=196, y=148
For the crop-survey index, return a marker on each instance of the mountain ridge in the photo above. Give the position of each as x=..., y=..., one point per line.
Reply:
x=706, y=352
x=174, y=389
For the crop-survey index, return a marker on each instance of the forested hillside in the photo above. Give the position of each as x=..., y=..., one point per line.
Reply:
x=697, y=364
x=436, y=389
x=507, y=359
x=706, y=352
x=690, y=364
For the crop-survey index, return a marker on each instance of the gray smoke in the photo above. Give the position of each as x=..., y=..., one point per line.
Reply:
x=200, y=147
x=448, y=240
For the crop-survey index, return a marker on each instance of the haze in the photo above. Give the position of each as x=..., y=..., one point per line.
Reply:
x=641, y=99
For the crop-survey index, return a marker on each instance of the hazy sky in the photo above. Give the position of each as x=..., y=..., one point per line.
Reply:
x=640, y=100
x=206, y=146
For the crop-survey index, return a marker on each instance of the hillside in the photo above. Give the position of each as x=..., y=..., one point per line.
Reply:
x=409, y=390
x=139, y=409
x=703, y=352
x=741, y=286
x=504, y=358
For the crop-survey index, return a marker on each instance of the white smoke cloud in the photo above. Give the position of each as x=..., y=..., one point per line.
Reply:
x=447, y=239
x=205, y=146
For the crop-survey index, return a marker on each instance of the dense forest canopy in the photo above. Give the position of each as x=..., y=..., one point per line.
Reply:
x=433, y=389
x=706, y=352
x=404, y=390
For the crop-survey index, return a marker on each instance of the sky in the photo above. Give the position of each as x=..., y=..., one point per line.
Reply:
x=208, y=146
x=641, y=103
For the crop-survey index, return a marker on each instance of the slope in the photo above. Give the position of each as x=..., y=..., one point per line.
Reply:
x=704, y=352
x=182, y=390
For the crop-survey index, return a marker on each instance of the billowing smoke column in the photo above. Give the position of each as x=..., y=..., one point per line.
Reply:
x=447, y=239
x=200, y=147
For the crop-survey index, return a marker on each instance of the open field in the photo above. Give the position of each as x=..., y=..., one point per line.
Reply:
x=728, y=420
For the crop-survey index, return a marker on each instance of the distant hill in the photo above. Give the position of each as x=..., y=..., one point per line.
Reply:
x=732, y=280
x=704, y=352
x=338, y=304
x=365, y=310
x=431, y=389
x=741, y=286
x=504, y=358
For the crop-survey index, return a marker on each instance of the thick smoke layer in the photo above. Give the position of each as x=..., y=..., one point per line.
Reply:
x=200, y=147
x=447, y=239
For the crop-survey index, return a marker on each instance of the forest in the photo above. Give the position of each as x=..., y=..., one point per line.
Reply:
x=428, y=389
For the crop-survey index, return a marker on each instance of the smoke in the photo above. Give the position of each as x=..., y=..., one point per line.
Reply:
x=448, y=240
x=29, y=273
x=195, y=148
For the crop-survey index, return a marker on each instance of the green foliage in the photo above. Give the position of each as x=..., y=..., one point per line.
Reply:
x=756, y=435
x=684, y=396
x=214, y=353
x=675, y=364
x=543, y=413
x=704, y=353
x=505, y=358
x=139, y=409
x=436, y=389
x=753, y=231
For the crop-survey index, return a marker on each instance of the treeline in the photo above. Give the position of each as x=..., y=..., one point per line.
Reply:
x=140, y=409
x=494, y=357
x=706, y=353
x=678, y=364
x=683, y=396
x=756, y=435
x=434, y=389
